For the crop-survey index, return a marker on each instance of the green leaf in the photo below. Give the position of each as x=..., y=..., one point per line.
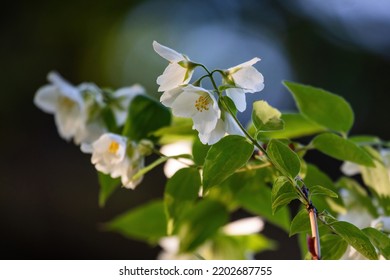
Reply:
x=266, y=117
x=333, y=247
x=282, y=193
x=300, y=223
x=145, y=223
x=199, y=151
x=180, y=129
x=319, y=190
x=200, y=223
x=144, y=117
x=324, y=108
x=380, y=240
x=224, y=158
x=356, y=238
x=255, y=197
x=109, y=119
x=363, y=140
x=342, y=149
x=107, y=186
x=181, y=191
x=284, y=158
x=295, y=125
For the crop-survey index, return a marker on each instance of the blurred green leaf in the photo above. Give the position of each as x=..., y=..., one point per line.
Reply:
x=356, y=238
x=284, y=158
x=295, y=125
x=282, y=193
x=380, y=240
x=224, y=158
x=107, y=186
x=144, y=117
x=145, y=223
x=181, y=191
x=342, y=149
x=266, y=117
x=200, y=223
x=324, y=108
x=333, y=247
x=179, y=129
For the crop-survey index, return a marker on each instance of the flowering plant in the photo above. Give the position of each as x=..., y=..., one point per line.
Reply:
x=226, y=166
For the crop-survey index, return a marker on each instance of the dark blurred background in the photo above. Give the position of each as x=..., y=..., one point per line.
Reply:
x=49, y=189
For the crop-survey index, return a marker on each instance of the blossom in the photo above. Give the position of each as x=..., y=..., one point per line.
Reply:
x=123, y=98
x=114, y=155
x=177, y=148
x=196, y=103
x=178, y=72
x=226, y=126
x=64, y=101
x=76, y=109
x=245, y=78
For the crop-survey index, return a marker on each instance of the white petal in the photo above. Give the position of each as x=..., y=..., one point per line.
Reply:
x=125, y=96
x=350, y=168
x=238, y=97
x=86, y=148
x=249, y=79
x=231, y=127
x=184, y=105
x=245, y=64
x=63, y=86
x=46, y=98
x=206, y=121
x=244, y=226
x=174, y=75
x=89, y=133
x=167, y=53
x=168, y=97
x=215, y=135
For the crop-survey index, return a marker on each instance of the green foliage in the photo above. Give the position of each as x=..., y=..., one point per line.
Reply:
x=180, y=129
x=181, y=192
x=199, y=152
x=284, y=158
x=199, y=223
x=146, y=222
x=322, y=107
x=107, y=186
x=255, y=197
x=333, y=247
x=283, y=193
x=145, y=116
x=380, y=240
x=342, y=149
x=356, y=238
x=295, y=125
x=224, y=158
x=300, y=223
x=266, y=117
x=319, y=190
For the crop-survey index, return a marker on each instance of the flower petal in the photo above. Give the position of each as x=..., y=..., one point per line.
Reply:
x=167, y=53
x=46, y=98
x=245, y=64
x=184, y=104
x=238, y=97
x=174, y=75
x=249, y=79
x=215, y=135
x=168, y=97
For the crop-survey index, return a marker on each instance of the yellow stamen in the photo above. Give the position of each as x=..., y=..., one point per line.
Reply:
x=113, y=148
x=203, y=103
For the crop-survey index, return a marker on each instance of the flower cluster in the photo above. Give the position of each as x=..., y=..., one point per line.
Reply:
x=79, y=114
x=211, y=118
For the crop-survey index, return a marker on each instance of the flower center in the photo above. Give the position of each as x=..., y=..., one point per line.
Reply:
x=202, y=103
x=66, y=102
x=113, y=148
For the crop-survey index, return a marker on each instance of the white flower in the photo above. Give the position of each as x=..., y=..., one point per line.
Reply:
x=114, y=155
x=178, y=72
x=196, y=103
x=245, y=78
x=177, y=148
x=224, y=127
x=244, y=226
x=65, y=102
x=124, y=96
x=350, y=168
